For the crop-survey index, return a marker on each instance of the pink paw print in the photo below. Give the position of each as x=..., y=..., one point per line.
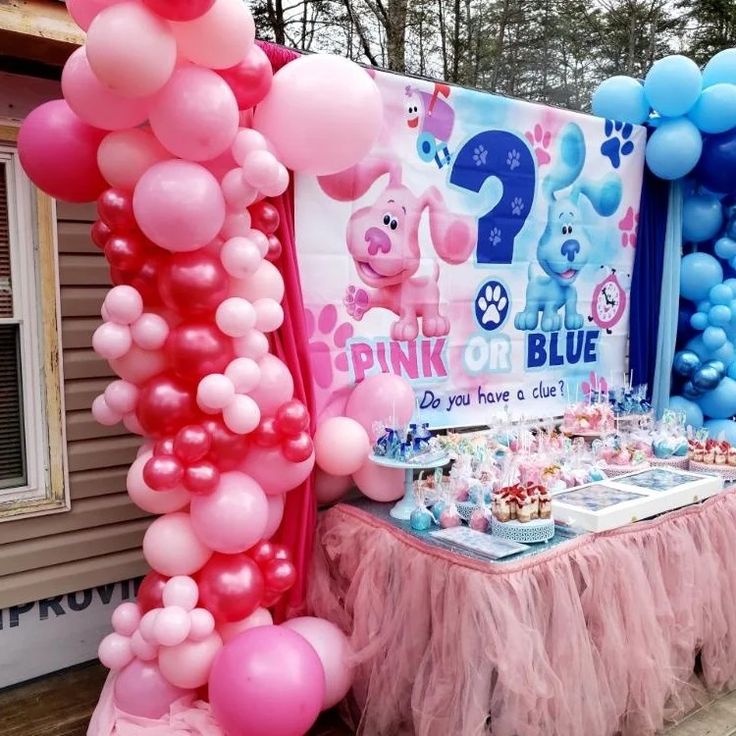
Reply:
x=327, y=341
x=539, y=140
x=356, y=302
x=595, y=385
x=627, y=226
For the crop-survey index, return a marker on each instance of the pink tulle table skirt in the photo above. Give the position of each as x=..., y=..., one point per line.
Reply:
x=606, y=634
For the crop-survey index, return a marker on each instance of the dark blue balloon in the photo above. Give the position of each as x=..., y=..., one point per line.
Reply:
x=686, y=363
x=717, y=365
x=718, y=162
x=691, y=392
x=706, y=378
x=684, y=329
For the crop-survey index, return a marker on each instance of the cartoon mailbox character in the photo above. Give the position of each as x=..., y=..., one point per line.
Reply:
x=433, y=119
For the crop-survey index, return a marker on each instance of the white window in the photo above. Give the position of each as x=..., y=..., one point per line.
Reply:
x=32, y=457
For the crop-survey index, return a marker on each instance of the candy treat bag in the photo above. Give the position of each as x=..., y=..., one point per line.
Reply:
x=421, y=518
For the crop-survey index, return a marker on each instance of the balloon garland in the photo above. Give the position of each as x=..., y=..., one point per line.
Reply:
x=157, y=125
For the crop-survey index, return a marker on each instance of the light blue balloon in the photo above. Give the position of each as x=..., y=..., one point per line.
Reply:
x=693, y=413
x=719, y=315
x=726, y=249
x=725, y=428
x=699, y=273
x=621, y=98
x=714, y=338
x=715, y=110
x=731, y=283
x=699, y=321
x=673, y=85
x=720, y=403
x=674, y=149
x=721, y=294
x=702, y=218
x=731, y=371
x=704, y=306
x=721, y=68
x=725, y=354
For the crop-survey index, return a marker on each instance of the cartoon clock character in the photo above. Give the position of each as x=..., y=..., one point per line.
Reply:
x=608, y=303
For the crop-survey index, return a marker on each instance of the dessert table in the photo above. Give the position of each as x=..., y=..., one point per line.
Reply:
x=590, y=635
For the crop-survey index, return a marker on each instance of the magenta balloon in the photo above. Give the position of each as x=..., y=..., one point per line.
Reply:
x=322, y=114
x=383, y=398
x=95, y=103
x=268, y=681
x=179, y=205
x=141, y=690
x=195, y=115
x=276, y=386
x=273, y=473
x=379, y=483
x=251, y=79
x=58, y=151
x=181, y=10
x=84, y=11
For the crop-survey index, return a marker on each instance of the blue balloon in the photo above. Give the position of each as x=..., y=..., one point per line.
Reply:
x=714, y=338
x=621, y=98
x=692, y=412
x=721, y=402
x=702, y=218
x=726, y=248
x=690, y=391
x=725, y=428
x=715, y=110
x=726, y=354
x=721, y=68
x=717, y=365
x=719, y=315
x=721, y=294
x=718, y=162
x=699, y=273
x=684, y=313
x=674, y=149
x=731, y=371
x=699, y=321
x=673, y=85
x=686, y=362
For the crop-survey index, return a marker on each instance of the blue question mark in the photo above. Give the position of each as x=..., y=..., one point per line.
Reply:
x=505, y=156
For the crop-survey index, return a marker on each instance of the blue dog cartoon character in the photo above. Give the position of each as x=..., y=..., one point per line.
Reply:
x=566, y=245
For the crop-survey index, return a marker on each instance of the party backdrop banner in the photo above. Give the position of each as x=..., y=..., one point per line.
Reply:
x=483, y=251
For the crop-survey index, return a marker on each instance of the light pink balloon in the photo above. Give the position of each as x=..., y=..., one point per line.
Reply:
x=148, y=625
x=171, y=546
x=260, y=240
x=150, y=331
x=181, y=591
x=236, y=225
x=275, y=515
x=330, y=488
x=215, y=392
x=322, y=115
x=131, y=423
x=96, y=103
x=142, y=649
x=111, y=340
x=220, y=38
x=234, y=517
x=244, y=373
x=141, y=690
x=269, y=315
x=124, y=304
x=172, y=626
x=265, y=283
x=236, y=317
x=188, y=665
x=276, y=386
x=240, y=257
x=179, y=205
x=238, y=193
x=341, y=446
x=275, y=475
x=84, y=11
x=246, y=142
x=125, y=618
x=103, y=413
x=202, y=624
x=333, y=650
x=259, y=617
x=254, y=345
x=131, y=50
x=383, y=398
x=279, y=184
x=125, y=155
x=155, y=502
x=260, y=169
x=115, y=652
x=195, y=116
x=138, y=365
x=121, y=396
x=242, y=415
x=379, y=483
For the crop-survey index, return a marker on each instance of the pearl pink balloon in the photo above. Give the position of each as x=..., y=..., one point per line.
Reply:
x=254, y=345
x=148, y=625
x=240, y=257
x=274, y=474
x=236, y=225
x=131, y=50
x=84, y=11
x=138, y=365
x=246, y=142
x=182, y=10
x=341, y=446
x=125, y=619
x=96, y=103
x=276, y=386
x=121, y=396
x=276, y=186
x=244, y=373
x=142, y=649
x=312, y=102
x=265, y=283
x=236, y=317
x=141, y=690
x=172, y=626
x=333, y=650
x=103, y=414
x=115, y=652
x=237, y=192
x=330, y=488
x=379, y=483
x=111, y=340
x=260, y=168
x=202, y=624
x=215, y=392
x=195, y=116
x=171, y=546
x=179, y=205
x=219, y=39
x=385, y=398
x=124, y=304
x=150, y=331
x=275, y=515
x=125, y=155
x=188, y=665
x=260, y=240
x=181, y=591
x=269, y=315
x=242, y=415
x=259, y=617
x=143, y=496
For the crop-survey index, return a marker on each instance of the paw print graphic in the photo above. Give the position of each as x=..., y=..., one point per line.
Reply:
x=356, y=301
x=495, y=236
x=617, y=143
x=480, y=155
x=539, y=140
x=513, y=159
x=327, y=341
x=492, y=305
x=517, y=206
x=627, y=226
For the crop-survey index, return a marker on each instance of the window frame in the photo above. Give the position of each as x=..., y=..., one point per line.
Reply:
x=32, y=218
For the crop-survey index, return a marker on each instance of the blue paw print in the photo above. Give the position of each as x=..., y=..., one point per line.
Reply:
x=517, y=206
x=495, y=236
x=480, y=155
x=513, y=160
x=617, y=141
x=492, y=305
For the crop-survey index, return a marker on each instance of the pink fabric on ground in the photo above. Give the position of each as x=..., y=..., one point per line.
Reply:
x=594, y=638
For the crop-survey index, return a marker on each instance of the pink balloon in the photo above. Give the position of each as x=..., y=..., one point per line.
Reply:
x=131, y=423
x=260, y=169
x=115, y=652
x=139, y=365
x=111, y=340
x=150, y=331
x=236, y=317
x=59, y=153
x=276, y=386
x=221, y=165
x=383, y=398
x=124, y=304
x=330, y=488
x=172, y=626
x=240, y=257
x=155, y=502
x=275, y=515
x=195, y=116
x=236, y=190
x=181, y=591
x=333, y=650
x=202, y=624
x=220, y=38
x=241, y=415
x=379, y=483
x=171, y=546
x=234, y=517
x=103, y=414
x=251, y=79
x=121, y=396
x=183, y=10
x=142, y=649
x=96, y=103
x=248, y=141
x=265, y=283
x=267, y=682
x=188, y=665
x=148, y=625
x=313, y=102
x=125, y=155
x=275, y=475
x=179, y=205
x=131, y=50
x=269, y=315
x=141, y=690
x=254, y=345
x=244, y=373
x=341, y=446
x=236, y=225
x=276, y=186
x=259, y=617
x=215, y=392
x=84, y=11
x=125, y=619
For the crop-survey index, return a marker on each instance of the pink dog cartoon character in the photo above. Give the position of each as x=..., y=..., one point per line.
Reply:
x=383, y=240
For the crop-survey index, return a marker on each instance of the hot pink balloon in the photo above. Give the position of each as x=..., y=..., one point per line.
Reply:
x=141, y=690
x=234, y=517
x=330, y=488
x=312, y=103
x=275, y=514
x=259, y=617
x=219, y=39
x=125, y=155
x=179, y=205
x=333, y=650
x=182, y=10
x=251, y=79
x=121, y=396
x=195, y=116
x=84, y=11
x=384, y=397
x=265, y=283
x=143, y=496
x=139, y=365
x=188, y=665
x=276, y=386
x=379, y=483
x=273, y=473
x=171, y=546
x=58, y=151
x=131, y=50
x=341, y=446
